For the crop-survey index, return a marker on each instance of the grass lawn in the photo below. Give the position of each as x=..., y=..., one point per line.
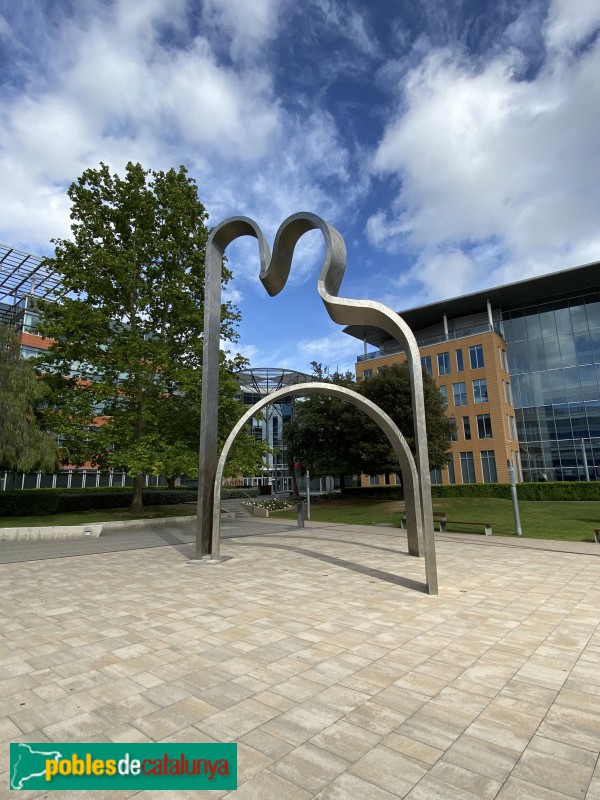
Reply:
x=103, y=515
x=570, y=521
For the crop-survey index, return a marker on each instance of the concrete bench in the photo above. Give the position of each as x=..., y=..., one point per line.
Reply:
x=597, y=535
x=438, y=516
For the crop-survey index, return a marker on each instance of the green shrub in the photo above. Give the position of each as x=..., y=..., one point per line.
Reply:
x=235, y=493
x=82, y=500
x=499, y=490
x=29, y=502
x=557, y=490
x=374, y=492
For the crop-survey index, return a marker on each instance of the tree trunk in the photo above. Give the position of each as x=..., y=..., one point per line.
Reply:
x=342, y=484
x=137, y=503
x=171, y=482
x=295, y=490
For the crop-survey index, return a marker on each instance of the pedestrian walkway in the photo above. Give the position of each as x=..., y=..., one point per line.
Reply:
x=318, y=652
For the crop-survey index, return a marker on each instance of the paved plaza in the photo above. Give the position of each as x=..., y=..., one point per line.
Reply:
x=318, y=652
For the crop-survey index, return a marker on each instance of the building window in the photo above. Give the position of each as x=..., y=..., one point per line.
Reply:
x=460, y=394
x=488, y=465
x=480, y=392
x=467, y=467
x=505, y=360
x=373, y=480
x=426, y=364
x=467, y=428
x=453, y=431
x=459, y=361
x=509, y=395
x=436, y=476
x=484, y=426
x=476, y=356
x=31, y=352
x=444, y=393
x=368, y=373
x=444, y=364
x=451, y=473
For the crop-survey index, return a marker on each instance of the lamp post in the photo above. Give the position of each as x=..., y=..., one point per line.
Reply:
x=585, y=464
x=307, y=494
x=515, y=499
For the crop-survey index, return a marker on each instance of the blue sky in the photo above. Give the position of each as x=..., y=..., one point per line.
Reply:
x=453, y=144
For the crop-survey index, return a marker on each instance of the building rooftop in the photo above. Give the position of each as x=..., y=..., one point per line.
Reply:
x=540, y=288
x=23, y=273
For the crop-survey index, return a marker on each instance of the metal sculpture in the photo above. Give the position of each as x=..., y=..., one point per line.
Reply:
x=410, y=478
x=273, y=275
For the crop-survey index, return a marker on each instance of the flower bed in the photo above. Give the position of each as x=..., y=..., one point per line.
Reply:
x=261, y=508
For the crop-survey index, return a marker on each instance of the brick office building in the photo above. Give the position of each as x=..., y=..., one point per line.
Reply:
x=519, y=366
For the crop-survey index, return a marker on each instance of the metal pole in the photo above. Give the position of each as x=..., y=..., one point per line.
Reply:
x=307, y=494
x=585, y=464
x=515, y=500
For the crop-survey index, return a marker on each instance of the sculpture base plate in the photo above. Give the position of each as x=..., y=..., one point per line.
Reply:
x=205, y=561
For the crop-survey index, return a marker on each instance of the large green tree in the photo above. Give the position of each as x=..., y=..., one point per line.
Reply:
x=24, y=445
x=331, y=437
x=319, y=433
x=390, y=389
x=126, y=364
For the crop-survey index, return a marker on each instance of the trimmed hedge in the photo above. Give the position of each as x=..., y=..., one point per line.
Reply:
x=374, y=492
x=560, y=491
x=29, y=502
x=90, y=501
x=40, y=502
x=563, y=491
x=235, y=493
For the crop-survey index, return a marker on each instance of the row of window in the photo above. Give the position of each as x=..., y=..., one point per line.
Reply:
x=467, y=468
x=459, y=392
x=444, y=366
x=559, y=422
x=547, y=461
x=553, y=319
x=484, y=427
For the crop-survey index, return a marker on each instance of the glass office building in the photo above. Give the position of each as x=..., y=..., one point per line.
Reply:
x=553, y=351
x=541, y=389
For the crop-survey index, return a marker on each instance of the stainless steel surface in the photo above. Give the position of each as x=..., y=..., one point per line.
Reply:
x=273, y=274
x=410, y=478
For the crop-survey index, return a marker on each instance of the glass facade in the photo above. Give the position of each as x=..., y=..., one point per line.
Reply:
x=553, y=351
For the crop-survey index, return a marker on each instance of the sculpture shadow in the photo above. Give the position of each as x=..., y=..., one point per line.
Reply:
x=372, y=572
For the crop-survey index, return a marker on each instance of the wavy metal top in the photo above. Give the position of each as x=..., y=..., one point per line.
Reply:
x=274, y=272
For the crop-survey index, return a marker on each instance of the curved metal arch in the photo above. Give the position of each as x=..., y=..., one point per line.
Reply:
x=273, y=274
x=410, y=478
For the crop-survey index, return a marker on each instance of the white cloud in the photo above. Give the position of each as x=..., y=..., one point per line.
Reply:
x=248, y=26
x=148, y=82
x=492, y=161
x=335, y=350
x=570, y=22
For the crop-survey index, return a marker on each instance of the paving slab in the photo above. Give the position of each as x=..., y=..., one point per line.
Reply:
x=320, y=653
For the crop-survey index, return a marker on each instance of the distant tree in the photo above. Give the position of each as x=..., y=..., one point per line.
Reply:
x=390, y=390
x=126, y=364
x=317, y=435
x=24, y=445
x=332, y=437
